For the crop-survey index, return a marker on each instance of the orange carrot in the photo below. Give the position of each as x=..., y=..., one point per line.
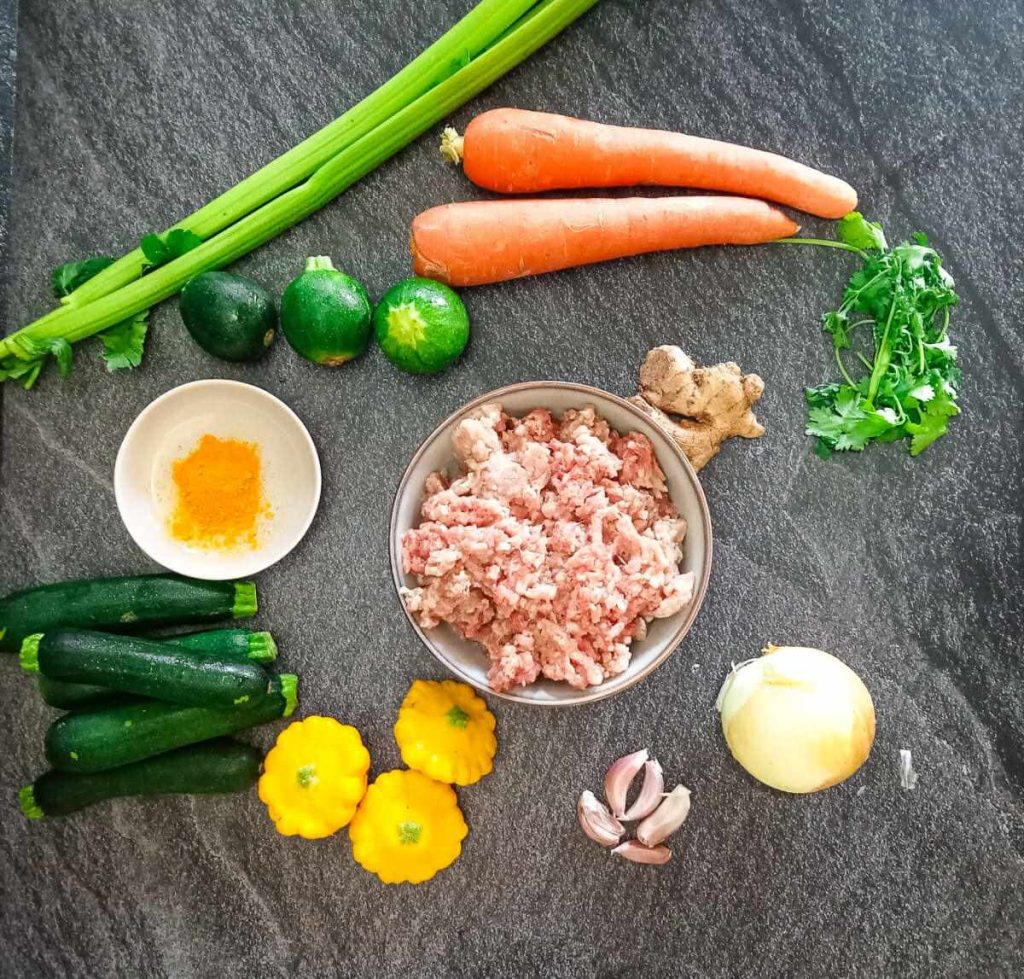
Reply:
x=514, y=151
x=477, y=242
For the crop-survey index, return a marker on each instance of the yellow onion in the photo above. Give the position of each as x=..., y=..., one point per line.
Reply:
x=797, y=718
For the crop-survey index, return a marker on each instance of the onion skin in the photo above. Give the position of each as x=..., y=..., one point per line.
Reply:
x=797, y=719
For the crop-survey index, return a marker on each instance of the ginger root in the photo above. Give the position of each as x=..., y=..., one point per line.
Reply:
x=714, y=402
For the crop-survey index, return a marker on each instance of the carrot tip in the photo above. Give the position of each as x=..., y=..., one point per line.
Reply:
x=451, y=145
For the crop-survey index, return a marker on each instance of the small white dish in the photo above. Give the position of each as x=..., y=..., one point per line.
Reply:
x=468, y=660
x=171, y=427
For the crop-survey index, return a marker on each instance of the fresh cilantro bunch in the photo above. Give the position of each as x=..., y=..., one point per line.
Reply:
x=893, y=320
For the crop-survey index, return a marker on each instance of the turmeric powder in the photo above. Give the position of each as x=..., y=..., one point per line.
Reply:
x=219, y=494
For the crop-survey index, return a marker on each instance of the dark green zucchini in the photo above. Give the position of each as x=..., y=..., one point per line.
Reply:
x=161, y=670
x=203, y=769
x=97, y=740
x=234, y=645
x=79, y=696
x=121, y=603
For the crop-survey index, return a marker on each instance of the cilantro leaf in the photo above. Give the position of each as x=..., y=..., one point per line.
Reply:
x=908, y=387
x=854, y=229
x=161, y=249
x=848, y=423
x=123, y=344
x=837, y=323
x=66, y=278
x=933, y=422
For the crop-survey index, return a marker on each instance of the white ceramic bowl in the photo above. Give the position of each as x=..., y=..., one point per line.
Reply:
x=468, y=660
x=170, y=427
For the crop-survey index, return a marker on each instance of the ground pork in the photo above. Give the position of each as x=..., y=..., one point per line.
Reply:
x=553, y=546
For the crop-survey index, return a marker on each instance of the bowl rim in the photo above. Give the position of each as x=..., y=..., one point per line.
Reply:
x=589, y=695
x=120, y=463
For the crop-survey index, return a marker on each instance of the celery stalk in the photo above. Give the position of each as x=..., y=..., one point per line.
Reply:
x=484, y=24
x=537, y=27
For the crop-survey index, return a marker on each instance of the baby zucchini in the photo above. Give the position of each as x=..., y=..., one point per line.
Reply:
x=233, y=645
x=145, y=667
x=103, y=739
x=205, y=769
x=121, y=603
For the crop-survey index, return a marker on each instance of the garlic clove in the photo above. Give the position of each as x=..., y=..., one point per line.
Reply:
x=597, y=822
x=620, y=777
x=666, y=819
x=638, y=853
x=650, y=792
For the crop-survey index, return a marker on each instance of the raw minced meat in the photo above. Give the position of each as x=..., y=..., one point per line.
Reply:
x=554, y=547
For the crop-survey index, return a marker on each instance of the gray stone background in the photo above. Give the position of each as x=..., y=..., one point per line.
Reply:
x=129, y=115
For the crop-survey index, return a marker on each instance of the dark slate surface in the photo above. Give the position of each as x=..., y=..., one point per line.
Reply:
x=130, y=114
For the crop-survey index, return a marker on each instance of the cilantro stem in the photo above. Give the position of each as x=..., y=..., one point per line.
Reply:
x=824, y=242
x=883, y=356
x=472, y=35
x=842, y=368
x=73, y=323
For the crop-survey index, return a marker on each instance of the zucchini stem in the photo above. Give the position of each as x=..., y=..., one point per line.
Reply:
x=27, y=802
x=29, y=654
x=290, y=691
x=245, y=603
x=262, y=648
x=319, y=262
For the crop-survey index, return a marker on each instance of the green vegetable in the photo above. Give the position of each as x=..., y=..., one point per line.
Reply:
x=78, y=696
x=421, y=325
x=207, y=769
x=121, y=603
x=899, y=303
x=66, y=278
x=325, y=314
x=228, y=315
x=232, y=645
x=124, y=343
x=220, y=766
x=103, y=739
x=142, y=666
x=485, y=23
x=161, y=249
x=490, y=38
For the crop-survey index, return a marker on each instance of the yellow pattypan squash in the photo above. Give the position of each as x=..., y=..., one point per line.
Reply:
x=407, y=828
x=446, y=731
x=314, y=777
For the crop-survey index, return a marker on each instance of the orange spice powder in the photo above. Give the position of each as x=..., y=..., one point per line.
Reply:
x=220, y=494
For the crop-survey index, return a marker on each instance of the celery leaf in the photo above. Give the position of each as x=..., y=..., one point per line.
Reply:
x=66, y=278
x=123, y=343
x=161, y=249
